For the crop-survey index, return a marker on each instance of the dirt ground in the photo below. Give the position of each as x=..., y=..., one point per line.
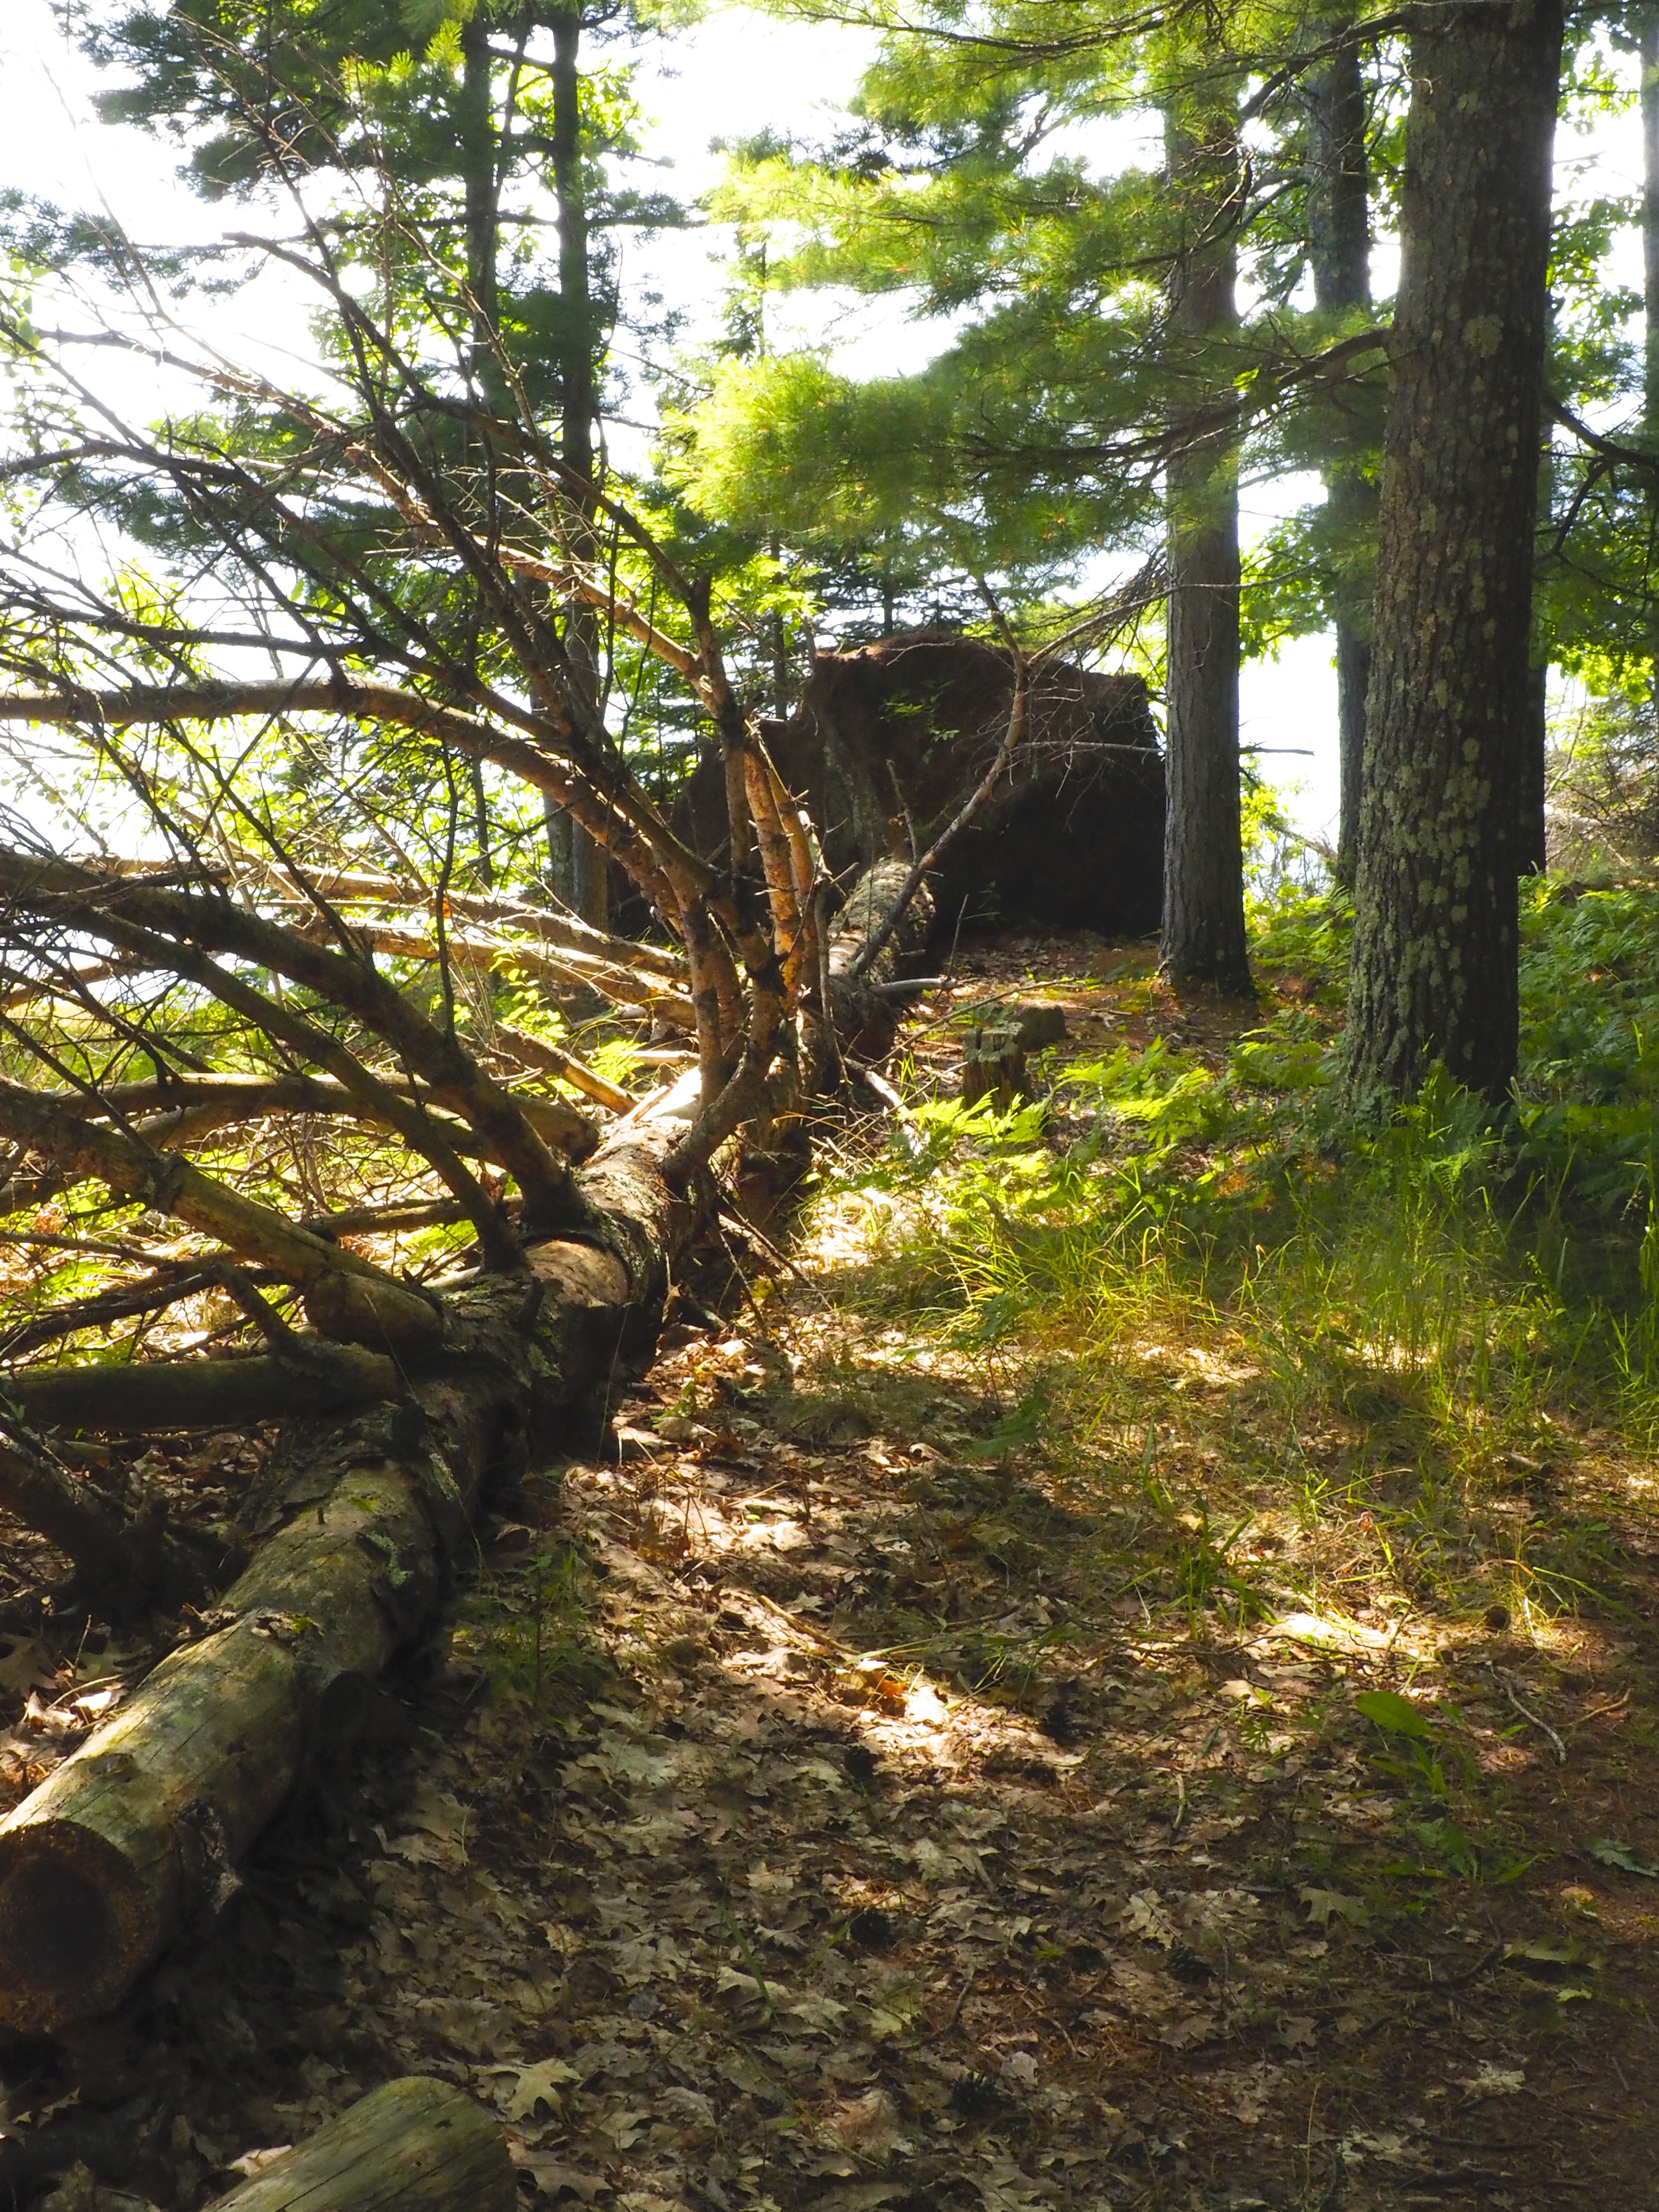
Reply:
x=806, y=1809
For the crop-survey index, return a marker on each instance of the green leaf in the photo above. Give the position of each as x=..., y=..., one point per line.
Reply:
x=1396, y=1714
x=1611, y=1852
x=1324, y=1905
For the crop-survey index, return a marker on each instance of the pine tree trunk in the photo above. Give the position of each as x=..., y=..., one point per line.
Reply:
x=1203, y=938
x=579, y=874
x=1648, y=48
x=480, y=183
x=1434, y=973
x=1339, y=253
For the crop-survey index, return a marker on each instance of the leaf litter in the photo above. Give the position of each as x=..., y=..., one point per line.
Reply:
x=807, y=1810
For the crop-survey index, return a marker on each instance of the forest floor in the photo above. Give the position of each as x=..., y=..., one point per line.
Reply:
x=833, y=1795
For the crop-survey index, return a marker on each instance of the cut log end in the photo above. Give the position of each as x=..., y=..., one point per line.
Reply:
x=414, y=2146
x=76, y=1925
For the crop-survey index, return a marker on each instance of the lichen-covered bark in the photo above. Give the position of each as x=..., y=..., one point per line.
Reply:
x=1435, y=942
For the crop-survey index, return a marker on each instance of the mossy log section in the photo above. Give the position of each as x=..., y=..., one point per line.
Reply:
x=133, y=1839
x=413, y=2146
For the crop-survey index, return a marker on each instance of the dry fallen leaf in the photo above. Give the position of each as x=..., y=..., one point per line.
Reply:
x=533, y=2085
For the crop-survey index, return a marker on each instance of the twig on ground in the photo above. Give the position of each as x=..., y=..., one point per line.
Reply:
x=1528, y=1714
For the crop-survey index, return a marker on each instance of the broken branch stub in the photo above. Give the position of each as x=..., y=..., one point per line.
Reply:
x=311, y=1379
x=411, y=2146
x=128, y=1563
x=133, y=1839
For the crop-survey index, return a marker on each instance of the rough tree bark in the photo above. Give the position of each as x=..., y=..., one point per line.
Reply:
x=1434, y=975
x=1204, y=936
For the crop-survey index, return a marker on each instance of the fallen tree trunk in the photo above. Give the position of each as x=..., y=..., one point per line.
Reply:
x=133, y=1839
x=862, y=1012
x=413, y=2146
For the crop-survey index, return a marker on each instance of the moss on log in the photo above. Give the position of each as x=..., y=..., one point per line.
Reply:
x=132, y=1840
x=413, y=2146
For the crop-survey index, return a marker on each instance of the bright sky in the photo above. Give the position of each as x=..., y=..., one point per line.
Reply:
x=737, y=73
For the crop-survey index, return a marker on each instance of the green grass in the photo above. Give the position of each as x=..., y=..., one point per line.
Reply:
x=1360, y=1335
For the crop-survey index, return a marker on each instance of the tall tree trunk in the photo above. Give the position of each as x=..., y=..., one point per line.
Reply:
x=1648, y=28
x=1204, y=939
x=1532, y=783
x=481, y=185
x=1340, y=252
x=578, y=873
x=1648, y=50
x=1434, y=975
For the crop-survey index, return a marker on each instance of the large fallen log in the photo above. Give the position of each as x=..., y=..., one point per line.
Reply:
x=413, y=2146
x=133, y=1839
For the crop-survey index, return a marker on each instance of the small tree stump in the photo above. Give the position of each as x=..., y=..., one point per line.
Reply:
x=414, y=2146
x=994, y=1065
x=994, y=1057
